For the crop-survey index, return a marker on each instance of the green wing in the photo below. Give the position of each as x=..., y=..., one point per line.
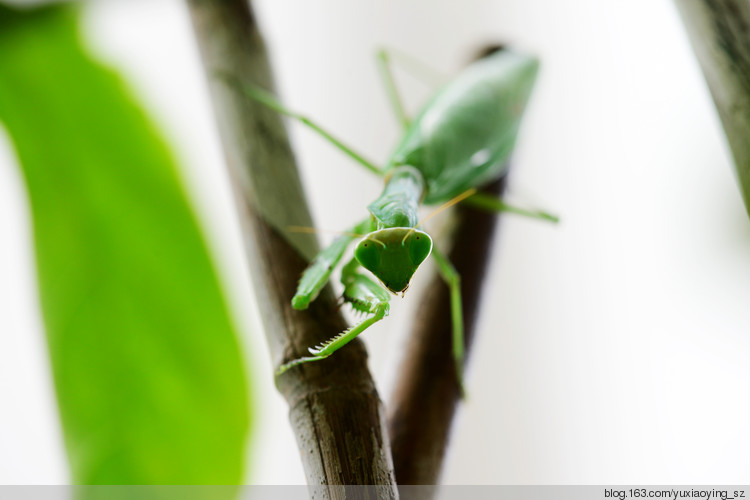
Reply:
x=464, y=137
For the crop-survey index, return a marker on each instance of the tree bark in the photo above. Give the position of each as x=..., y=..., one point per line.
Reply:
x=425, y=400
x=719, y=31
x=335, y=410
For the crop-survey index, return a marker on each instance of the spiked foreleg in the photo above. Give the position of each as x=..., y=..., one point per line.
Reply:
x=316, y=275
x=365, y=296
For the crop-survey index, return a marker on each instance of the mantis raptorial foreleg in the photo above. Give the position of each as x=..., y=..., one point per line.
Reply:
x=362, y=293
x=453, y=279
x=317, y=273
x=366, y=297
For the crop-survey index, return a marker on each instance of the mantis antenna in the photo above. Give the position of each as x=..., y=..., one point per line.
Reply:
x=483, y=201
x=458, y=199
x=447, y=204
x=314, y=230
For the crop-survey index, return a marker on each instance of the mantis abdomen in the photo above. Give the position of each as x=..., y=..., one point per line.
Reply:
x=464, y=136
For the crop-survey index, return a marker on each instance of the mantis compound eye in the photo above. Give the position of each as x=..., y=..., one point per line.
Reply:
x=368, y=254
x=420, y=246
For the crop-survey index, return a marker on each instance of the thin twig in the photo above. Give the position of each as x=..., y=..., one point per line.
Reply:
x=423, y=404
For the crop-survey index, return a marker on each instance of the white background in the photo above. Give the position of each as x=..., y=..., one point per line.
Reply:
x=613, y=348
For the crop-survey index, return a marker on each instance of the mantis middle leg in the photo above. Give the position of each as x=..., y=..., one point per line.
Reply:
x=453, y=280
x=270, y=101
x=491, y=203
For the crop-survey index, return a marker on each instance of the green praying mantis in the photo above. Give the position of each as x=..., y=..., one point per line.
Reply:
x=461, y=140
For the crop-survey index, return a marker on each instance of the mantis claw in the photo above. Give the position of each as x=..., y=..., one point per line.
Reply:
x=367, y=298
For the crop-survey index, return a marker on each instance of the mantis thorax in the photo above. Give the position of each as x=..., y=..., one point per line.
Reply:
x=398, y=204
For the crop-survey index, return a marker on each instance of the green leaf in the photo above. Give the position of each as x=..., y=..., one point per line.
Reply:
x=146, y=363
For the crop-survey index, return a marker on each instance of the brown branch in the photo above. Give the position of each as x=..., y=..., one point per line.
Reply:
x=424, y=401
x=423, y=404
x=335, y=410
x=719, y=31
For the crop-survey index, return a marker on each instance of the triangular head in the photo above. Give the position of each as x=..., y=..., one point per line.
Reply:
x=393, y=255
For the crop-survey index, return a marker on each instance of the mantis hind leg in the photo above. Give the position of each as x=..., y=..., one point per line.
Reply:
x=385, y=59
x=453, y=280
x=366, y=297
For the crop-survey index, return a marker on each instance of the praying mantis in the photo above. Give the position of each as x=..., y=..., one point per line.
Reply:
x=460, y=140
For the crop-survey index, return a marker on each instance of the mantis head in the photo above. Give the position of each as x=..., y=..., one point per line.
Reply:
x=393, y=255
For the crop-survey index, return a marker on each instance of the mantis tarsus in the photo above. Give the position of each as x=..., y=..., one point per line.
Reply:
x=462, y=139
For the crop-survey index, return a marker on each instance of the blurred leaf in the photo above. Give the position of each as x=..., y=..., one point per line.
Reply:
x=146, y=363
